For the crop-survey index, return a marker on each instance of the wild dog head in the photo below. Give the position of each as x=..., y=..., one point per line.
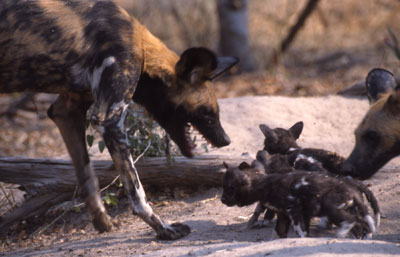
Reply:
x=279, y=140
x=183, y=98
x=378, y=134
x=237, y=184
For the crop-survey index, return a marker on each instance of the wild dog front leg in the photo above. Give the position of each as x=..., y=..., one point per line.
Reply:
x=69, y=114
x=109, y=111
x=268, y=216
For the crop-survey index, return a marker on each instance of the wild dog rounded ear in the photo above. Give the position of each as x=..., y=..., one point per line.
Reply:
x=196, y=65
x=269, y=133
x=296, y=129
x=378, y=82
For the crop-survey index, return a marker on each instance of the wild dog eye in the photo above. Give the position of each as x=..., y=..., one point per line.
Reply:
x=207, y=113
x=371, y=137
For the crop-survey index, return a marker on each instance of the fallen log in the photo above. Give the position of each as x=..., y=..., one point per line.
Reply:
x=48, y=182
x=38, y=175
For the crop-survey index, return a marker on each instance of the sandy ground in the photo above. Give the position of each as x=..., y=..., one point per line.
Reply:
x=218, y=230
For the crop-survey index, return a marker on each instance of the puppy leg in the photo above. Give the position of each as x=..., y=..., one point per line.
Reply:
x=296, y=216
x=253, y=221
x=254, y=218
x=282, y=225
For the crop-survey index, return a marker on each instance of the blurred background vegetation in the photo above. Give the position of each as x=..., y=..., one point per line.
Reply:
x=340, y=41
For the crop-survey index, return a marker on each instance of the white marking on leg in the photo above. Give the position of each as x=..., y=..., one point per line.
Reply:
x=323, y=222
x=346, y=204
x=370, y=222
x=291, y=197
x=378, y=220
x=345, y=227
x=299, y=231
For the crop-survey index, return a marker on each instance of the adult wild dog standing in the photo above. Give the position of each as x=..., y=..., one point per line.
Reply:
x=93, y=53
x=378, y=134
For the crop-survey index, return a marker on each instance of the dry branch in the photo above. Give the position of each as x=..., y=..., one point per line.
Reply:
x=285, y=43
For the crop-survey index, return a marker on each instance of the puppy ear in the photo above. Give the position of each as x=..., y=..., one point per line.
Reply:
x=226, y=165
x=378, y=82
x=244, y=166
x=296, y=129
x=258, y=166
x=269, y=133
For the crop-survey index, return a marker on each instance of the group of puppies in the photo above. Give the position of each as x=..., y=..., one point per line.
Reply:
x=297, y=184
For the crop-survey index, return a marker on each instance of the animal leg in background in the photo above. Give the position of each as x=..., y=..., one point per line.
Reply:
x=69, y=114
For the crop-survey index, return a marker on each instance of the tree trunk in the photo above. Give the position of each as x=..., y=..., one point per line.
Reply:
x=234, y=32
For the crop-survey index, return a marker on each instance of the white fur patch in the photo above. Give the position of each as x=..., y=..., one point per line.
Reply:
x=291, y=197
x=323, y=222
x=346, y=204
x=378, y=220
x=302, y=182
x=142, y=208
x=305, y=157
x=370, y=222
x=345, y=227
x=95, y=77
x=299, y=231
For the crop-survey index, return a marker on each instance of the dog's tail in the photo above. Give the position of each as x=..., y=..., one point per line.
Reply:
x=370, y=198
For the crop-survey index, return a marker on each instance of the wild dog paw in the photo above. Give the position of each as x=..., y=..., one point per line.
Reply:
x=102, y=222
x=252, y=221
x=258, y=224
x=174, y=231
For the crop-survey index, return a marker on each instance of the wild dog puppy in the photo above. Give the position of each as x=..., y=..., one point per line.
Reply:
x=280, y=140
x=297, y=197
x=262, y=165
x=378, y=134
x=92, y=53
x=283, y=141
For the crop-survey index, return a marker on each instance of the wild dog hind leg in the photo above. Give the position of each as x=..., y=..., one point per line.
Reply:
x=109, y=111
x=69, y=114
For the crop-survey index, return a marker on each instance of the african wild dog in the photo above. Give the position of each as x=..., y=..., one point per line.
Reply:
x=297, y=197
x=93, y=53
x=280, y=140
x=283, y=141
x=378, y=134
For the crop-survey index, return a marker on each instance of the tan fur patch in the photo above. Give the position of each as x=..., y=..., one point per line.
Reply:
x=380, y=119
x=158, y=59
x=69, y=22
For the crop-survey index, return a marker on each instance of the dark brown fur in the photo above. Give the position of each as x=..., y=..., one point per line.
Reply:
x=297, y=158
x=92, y=53
x=297, y=197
